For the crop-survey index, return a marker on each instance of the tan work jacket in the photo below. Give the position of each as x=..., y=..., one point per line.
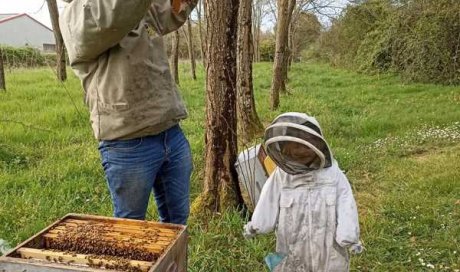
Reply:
x=116, y=48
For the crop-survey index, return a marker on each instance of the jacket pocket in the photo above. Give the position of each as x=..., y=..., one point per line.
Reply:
x=286, y=202
x=330, y=199
x=286, y=220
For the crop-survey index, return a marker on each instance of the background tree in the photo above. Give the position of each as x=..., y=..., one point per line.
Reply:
x=259, y=11
x=60, y=47
x=305, y=31
x=175, y=39
x=221, y=188
x=267, y=46
x=304, y=18
x=2, y=72
x=199, y=10
x=248, y=121
x=191, y=50
x=285, y=9
x=288, y=53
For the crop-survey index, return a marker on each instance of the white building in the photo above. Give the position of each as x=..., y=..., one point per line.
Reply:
x=21, y=30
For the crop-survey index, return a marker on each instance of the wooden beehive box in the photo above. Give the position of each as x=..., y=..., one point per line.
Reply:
x=95, y=243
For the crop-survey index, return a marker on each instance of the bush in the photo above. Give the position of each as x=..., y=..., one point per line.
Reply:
x=51, y=59
x=426, y=46
x=341, y=43
x=418, y=39
x=22, y=57
x=267, y=50
x=375, y=51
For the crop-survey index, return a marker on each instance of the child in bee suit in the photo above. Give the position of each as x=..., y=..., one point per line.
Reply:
x=307, y=199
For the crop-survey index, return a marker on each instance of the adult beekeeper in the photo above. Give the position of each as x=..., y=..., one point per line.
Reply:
x=307, y=199
x=116, y=49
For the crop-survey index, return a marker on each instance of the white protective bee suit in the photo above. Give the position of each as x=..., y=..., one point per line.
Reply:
x=311, y=207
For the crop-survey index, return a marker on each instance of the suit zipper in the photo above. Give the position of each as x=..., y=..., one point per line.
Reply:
x=310, y=224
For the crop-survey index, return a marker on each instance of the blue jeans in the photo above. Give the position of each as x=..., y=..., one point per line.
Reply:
x=135, y=167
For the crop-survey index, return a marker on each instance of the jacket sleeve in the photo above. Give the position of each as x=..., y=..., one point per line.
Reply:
x=347, y=233
x=266, y=213
x=166, y=19
x=91, y=27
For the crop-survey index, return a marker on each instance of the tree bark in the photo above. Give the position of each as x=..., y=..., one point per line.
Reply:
x=191, y=51
x=249, y=124
x=60, y=47
x=285, y=9
x=2, y=72
x=175, y=39
x=221, y=188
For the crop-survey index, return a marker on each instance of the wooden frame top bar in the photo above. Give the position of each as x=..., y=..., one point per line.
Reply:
x=33, y=255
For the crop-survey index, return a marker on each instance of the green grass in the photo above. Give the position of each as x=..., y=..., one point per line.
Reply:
x=399, y=143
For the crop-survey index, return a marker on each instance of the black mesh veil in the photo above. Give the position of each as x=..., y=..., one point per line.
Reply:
x=295, y=143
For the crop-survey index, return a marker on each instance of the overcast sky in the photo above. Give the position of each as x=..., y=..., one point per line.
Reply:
x=35, y=8
x=39, y=10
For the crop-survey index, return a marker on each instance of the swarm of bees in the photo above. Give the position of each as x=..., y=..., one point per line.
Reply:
x=86, y=239
x=99, y=241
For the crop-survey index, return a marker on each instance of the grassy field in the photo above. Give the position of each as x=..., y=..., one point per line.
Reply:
x=399, y=144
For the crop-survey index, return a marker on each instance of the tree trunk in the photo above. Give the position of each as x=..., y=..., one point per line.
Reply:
x=285, y=8
x=2, y=72
x=202, y=38
x=249, y=124
x=191, y=52
x=175, y=56
x=257, y=24
x=221, y=188
x=60, y=47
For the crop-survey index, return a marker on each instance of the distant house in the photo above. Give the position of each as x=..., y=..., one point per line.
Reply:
x=21, y=30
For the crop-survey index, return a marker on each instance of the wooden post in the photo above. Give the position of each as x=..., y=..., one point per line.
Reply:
x=60, y=48
x=2, y=72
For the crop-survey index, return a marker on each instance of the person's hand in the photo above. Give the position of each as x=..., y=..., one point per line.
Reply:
x=356, y=249
x=177, y=4
x=249, y=232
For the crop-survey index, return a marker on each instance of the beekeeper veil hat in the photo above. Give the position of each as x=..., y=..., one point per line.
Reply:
x=294, y=141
